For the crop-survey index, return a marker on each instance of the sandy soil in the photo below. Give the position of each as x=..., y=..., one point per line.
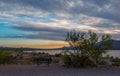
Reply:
x=55, y=70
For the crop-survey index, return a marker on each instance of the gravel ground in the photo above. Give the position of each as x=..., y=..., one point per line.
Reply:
x=56, y=70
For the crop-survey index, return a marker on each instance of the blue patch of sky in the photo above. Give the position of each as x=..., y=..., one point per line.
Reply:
x=6, y=30
x=46, y=18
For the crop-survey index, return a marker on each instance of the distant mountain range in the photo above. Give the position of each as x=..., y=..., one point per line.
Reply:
x=116, y=46
x=25, y=49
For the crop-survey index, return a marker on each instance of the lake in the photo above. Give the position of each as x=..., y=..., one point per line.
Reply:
x=114, y=53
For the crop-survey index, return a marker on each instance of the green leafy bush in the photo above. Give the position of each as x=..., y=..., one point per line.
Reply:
x=87, y=49
x=67, y=60
x=71, y=60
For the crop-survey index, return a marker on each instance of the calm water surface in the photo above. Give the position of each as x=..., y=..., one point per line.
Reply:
x=114, y=53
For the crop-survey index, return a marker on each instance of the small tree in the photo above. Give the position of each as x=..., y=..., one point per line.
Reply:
x=88, y=45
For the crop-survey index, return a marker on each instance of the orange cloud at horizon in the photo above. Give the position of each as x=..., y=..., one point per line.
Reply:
x=45, y=44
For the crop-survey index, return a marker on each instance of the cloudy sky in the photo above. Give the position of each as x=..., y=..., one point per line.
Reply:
x=44, y=23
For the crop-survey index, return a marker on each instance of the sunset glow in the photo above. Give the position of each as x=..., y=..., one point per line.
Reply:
x=44, y=23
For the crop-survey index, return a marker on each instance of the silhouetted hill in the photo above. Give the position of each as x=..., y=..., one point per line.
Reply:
x=116, y=44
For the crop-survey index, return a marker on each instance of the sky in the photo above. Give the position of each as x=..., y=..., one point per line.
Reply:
x=44, y=23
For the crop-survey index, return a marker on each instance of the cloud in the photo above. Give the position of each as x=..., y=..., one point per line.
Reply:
x=40, y=31
x=51, y=19
x=40, y=28
x=42, y=36
x=108, y=9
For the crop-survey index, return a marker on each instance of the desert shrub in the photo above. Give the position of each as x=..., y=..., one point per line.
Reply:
x=87, y=48
x=67, y=60
x=102, y=63
x=5, y=57
x=25, y=61
x=55, y=61
x=88, y=62
x=77, y=61
x=57, y=55
x=116, y=61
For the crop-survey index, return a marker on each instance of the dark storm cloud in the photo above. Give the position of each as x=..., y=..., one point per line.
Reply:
x=41, y=35
x=48, y=33
x=99, y=8
x=98, y=2
x=46, y=5
x=38, y=29
x=107, y=25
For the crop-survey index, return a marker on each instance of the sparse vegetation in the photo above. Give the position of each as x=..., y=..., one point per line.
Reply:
x=116, y=61
x=6, y=57
x=88, y=48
